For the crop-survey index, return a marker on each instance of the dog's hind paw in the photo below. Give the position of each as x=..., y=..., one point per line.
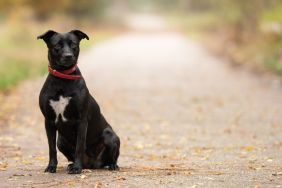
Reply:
x=69, y=166
x=73, y=169
x=113, y=167
x=51, y=169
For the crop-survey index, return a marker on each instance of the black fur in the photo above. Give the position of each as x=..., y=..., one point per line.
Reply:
x=86, y=138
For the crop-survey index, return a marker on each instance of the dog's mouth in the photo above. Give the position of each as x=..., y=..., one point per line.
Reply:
x=66, y=62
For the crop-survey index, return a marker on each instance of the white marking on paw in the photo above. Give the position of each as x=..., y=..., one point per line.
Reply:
x=59, y=107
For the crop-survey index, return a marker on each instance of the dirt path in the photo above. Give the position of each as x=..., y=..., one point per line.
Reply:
x=185, y=119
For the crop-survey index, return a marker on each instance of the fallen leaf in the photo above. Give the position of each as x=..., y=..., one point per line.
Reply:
x=70, y=183
x=98, y=184
x=248, y=148
x=3, y=166
x=19, y=175
x=277, y=174
x=187, y=173
x=153, y=157
x=25, y=162
x=269, y=160
x=253, y=167
x=87, y=170
x=120, y=178
x=6, y=138
x=139, y=146
x=83, y=176
x=215, y=173
x=39, y=158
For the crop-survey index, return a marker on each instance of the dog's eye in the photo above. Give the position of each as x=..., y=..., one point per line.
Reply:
x=57, y=46
x=72, y=45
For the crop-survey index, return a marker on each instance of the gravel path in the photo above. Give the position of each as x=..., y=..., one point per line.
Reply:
x=184, y=117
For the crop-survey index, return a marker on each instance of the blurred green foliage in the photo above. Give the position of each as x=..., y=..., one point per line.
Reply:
x=245, y=30
x=248, y=32
x=11, y=74
x=21, y=21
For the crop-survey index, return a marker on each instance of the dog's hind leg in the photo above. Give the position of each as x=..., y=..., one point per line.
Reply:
x=65, y=148
x=112, y=145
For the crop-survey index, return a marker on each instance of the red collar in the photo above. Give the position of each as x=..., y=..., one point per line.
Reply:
x=65, y=74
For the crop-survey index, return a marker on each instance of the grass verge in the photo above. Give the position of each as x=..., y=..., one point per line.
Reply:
x=24, y=57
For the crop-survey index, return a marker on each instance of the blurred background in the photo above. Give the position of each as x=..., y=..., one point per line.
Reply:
x=246, y=32
x=157, y=69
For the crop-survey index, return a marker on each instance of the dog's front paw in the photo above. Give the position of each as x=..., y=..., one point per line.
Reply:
x=74, y=169
x=113, y=167
x=51, y=169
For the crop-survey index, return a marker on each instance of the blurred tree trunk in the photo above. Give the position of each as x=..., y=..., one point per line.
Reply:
x=250, y=14
x=246, y=26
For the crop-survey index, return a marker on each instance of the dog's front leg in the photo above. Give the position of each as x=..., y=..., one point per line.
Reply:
x=76, y=167
x=51, y=135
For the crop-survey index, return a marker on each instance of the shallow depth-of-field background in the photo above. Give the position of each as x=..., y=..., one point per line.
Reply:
x=192, y=87
x=247, y=32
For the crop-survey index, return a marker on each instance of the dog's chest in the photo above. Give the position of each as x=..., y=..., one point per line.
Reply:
x=59, y=107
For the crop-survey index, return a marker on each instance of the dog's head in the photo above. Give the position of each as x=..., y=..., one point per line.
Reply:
x=63, y=48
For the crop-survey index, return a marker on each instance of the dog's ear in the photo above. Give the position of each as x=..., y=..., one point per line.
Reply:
x=47, y=35
x=79, y=34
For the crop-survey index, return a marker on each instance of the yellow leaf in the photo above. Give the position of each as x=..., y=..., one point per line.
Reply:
x=25, y=162
x=153, y=157
x=98, y=184
x=3, y=166
x=39, y=158
x=248, y=148
x=215, y=173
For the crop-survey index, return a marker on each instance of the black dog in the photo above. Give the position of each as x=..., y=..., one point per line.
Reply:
x=84, y=136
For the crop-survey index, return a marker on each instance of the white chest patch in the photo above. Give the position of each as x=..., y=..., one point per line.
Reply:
x=59, y=107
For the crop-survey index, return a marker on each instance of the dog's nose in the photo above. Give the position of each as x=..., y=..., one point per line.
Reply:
x=68, y=56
